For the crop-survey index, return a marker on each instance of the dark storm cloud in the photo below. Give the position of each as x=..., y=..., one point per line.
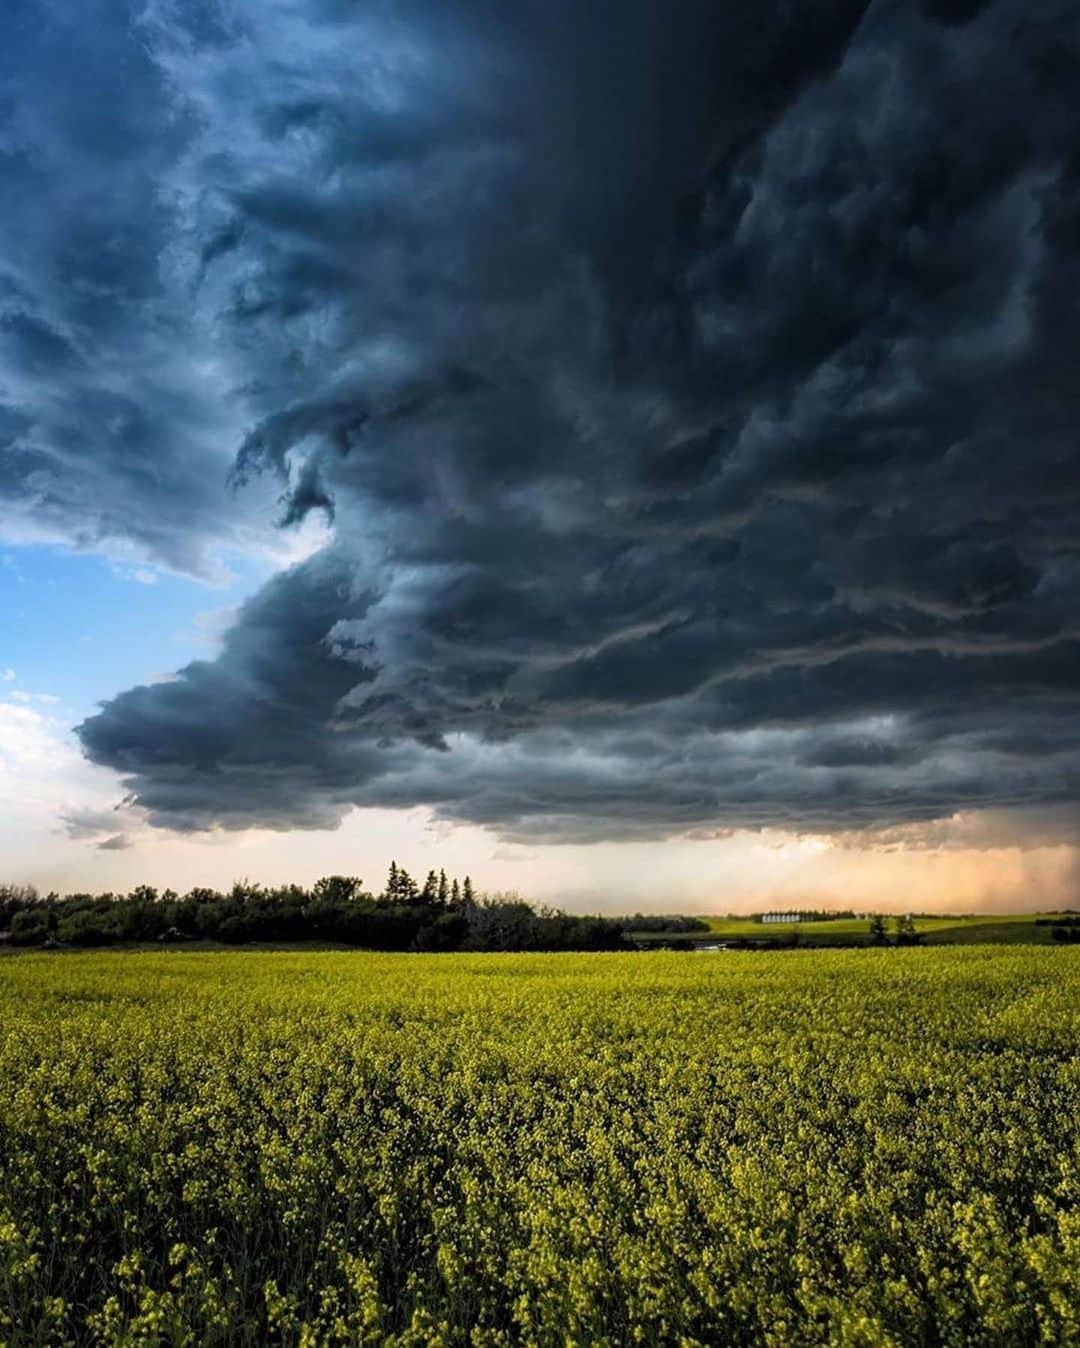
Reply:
x=691, y=389
x=115, y=427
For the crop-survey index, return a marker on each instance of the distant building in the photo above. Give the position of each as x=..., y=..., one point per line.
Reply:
x=781, y=917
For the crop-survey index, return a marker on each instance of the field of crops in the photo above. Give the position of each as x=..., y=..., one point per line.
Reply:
x=955, y=929
x=856, y=1147
x=952, y=929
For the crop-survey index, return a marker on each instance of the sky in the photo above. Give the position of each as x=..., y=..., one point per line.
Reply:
x=626, y=451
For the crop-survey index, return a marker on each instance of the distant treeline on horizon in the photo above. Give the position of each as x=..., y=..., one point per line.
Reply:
x=441, y=914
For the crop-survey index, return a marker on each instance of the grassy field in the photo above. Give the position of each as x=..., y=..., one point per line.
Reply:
x=974, y=929
x=859, y=1147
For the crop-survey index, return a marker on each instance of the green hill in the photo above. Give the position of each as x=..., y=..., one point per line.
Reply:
x=944, y=929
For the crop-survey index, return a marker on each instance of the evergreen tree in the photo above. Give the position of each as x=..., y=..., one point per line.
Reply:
x=468, y=898
x=444, y=889
x=430, y=893
x=392, y=884
x=455, y=894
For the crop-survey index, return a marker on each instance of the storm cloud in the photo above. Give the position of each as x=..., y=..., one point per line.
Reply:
x=690, y=389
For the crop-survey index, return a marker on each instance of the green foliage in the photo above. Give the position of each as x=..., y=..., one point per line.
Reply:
x=664, y=923
x=32, y=926
x=401, y=888
x=336, y=909
x=338, y=889
x=13, y=899
x=904, y=928
x=311, y=1148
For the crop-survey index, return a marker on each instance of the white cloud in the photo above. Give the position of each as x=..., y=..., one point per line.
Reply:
x=42, y=776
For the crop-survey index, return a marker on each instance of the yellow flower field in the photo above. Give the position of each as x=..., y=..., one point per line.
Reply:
x=855, y=1147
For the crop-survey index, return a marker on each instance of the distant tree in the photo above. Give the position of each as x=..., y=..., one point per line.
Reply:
x=447, y=932
x=30, y=926
x=338, y=888
x=904, y=929
x=468, y=898
x=14, y=899
x=430, y=892
x=401, y=888
x=877, y=930
x=455, y=894
x=444, y=889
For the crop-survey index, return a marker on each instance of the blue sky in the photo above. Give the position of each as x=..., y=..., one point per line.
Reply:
x=80, y=628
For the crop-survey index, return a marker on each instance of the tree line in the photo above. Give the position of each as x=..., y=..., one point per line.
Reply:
x=1063, y=928
x=442, y=913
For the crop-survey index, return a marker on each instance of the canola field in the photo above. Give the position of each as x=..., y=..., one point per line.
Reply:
x=855, y=1147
